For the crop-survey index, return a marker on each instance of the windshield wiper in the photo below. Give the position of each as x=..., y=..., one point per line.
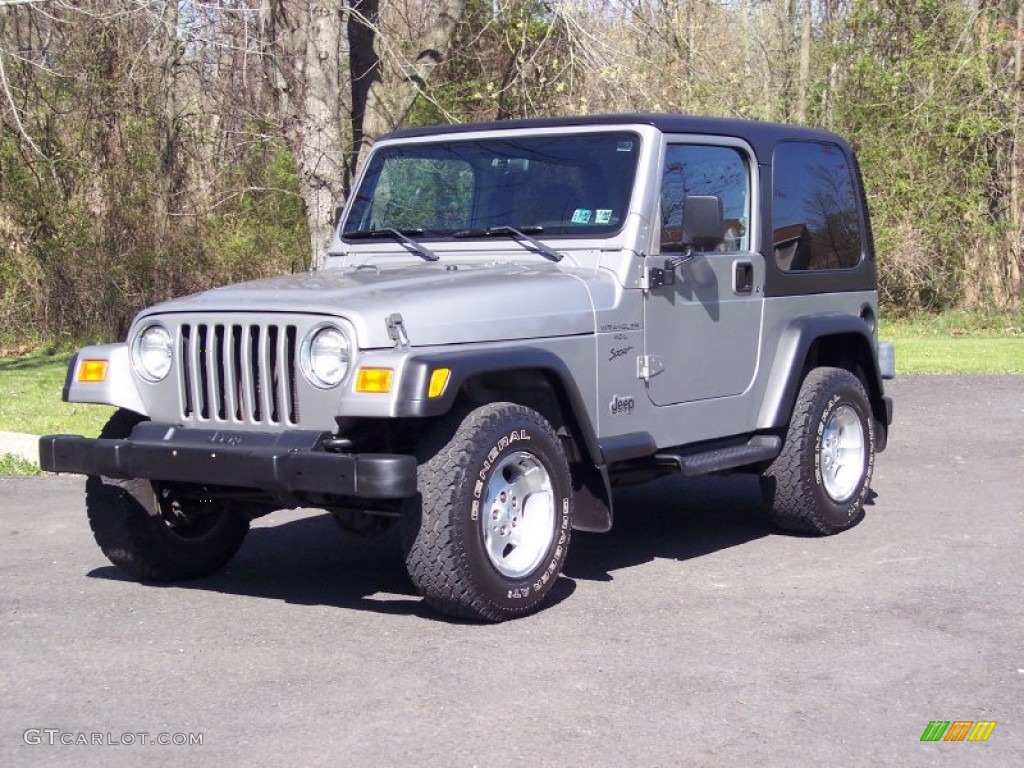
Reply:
x=519, y=234
x=401, y=235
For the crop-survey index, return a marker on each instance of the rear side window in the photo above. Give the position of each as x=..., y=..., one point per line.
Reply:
x=816, y=220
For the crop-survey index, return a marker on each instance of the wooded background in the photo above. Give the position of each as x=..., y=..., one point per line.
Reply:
x=152, y=148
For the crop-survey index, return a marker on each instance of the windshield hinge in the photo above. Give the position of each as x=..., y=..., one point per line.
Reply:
x=649, y=366
x=396, y=330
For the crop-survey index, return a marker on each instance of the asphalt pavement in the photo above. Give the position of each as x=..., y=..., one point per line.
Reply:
x=692, y=635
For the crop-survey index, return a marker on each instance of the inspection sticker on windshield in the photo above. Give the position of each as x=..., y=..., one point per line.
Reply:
x=581, y=216
x=604, y=216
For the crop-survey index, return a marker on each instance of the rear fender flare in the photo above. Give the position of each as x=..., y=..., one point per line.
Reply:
x=792, y=359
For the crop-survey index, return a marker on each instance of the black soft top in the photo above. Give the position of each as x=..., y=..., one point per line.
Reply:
x=760, y=135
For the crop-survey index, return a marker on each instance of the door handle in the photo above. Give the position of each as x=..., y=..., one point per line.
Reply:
x=743, y=277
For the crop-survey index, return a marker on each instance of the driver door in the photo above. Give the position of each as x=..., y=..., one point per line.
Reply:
x=702, y=327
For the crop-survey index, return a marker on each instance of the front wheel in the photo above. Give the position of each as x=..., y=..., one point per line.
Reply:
x=819, y=482
x=489, y=532
x=149, y=532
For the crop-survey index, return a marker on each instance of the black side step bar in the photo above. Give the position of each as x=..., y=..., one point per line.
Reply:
x=758, y=448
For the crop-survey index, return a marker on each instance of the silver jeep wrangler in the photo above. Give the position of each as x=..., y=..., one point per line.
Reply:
x=513, y=318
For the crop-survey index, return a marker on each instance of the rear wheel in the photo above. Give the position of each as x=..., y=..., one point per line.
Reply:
x=489, y=532
x=819, y=482
x=152, y=534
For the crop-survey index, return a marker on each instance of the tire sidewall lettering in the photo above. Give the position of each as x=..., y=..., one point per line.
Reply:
x=563, y=539
x=851, y=506
x=492, y=455
x=502, y=589
x=819, y=434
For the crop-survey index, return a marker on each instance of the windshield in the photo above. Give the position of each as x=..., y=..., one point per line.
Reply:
x=557, y=185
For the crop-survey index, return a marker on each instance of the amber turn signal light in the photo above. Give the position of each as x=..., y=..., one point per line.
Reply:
x=438, y=382
x=374, y=380
x=92, y=371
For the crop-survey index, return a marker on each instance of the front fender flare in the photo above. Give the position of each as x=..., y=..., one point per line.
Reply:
x=592, y=490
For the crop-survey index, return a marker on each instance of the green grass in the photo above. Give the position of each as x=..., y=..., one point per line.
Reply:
x=959, y=355
x=957, y=342
x=10, y=464
x=30, y=399
x=956, y=325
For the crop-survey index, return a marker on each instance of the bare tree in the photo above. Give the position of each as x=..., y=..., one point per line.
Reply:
x=394, y=50
x=391, y=52
x=804, y=85
x=302, y=53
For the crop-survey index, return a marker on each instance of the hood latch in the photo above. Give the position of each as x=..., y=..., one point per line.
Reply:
x=396, y=330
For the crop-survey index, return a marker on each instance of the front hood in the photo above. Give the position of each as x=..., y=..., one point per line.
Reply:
x=439, y=303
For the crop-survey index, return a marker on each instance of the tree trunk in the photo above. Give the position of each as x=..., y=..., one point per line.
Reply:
x=805, y=65
x=302, y=54
x=365, y=65
x=302, y=41
x=165, y=61
x=321, y=160
x=1016, y=257
x=387, y=80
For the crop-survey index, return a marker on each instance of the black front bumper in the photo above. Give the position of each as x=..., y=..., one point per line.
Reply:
x=283, y=465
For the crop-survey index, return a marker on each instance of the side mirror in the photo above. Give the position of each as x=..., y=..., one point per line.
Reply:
x=702, y=222
x=337, y=215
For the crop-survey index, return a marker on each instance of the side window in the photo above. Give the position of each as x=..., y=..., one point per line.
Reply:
x=816, y=221
x=698, y=169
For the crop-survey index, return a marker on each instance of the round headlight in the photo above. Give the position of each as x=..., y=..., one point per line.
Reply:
x=152, y=353
x=325, y=357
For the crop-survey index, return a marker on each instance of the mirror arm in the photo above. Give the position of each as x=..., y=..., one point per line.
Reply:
x=672, y=263
x=656, y=277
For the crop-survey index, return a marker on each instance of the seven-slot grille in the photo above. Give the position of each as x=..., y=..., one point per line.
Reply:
x=238, y=372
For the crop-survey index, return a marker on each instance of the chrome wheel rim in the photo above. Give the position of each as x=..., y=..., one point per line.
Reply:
x=842, y=458
x=518, y=514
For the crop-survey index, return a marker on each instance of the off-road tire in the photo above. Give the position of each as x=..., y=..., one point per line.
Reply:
x=128, y=527
x=452, y=561
x=796, y=484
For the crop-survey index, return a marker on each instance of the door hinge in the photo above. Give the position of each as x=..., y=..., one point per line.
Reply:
x=656, y=277
x=649, y=366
